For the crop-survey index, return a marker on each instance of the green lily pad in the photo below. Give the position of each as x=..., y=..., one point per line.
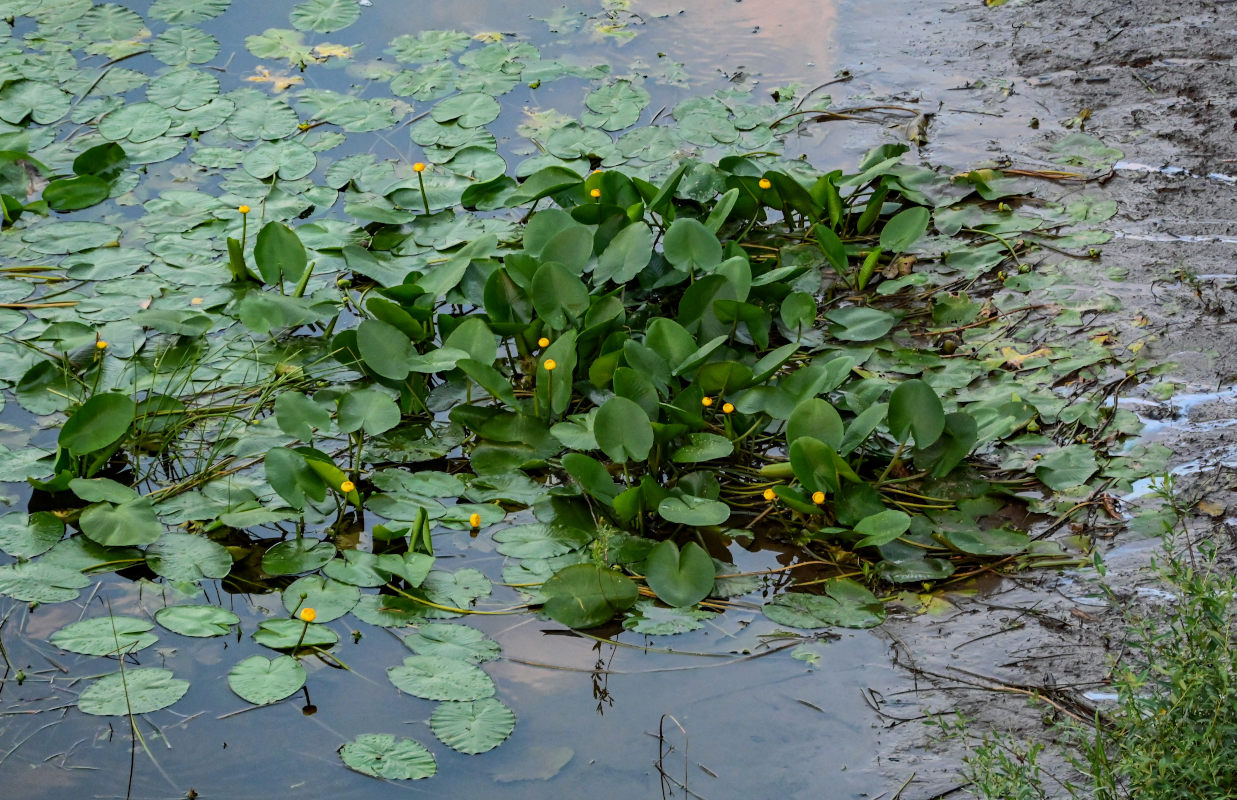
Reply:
x=40, y=582
x=452, y=641
x=650, y=619
x=29, y=535
x=283, y=634
x=381, y=755
x=441, y=678
x=680, y=578
x=104, y=636
x=297, y=556
x=330, y=599
x=473, y=727
x=585, y=595
x=260, y=680
x=134, y=691
x=197, y=621
x=188, y=558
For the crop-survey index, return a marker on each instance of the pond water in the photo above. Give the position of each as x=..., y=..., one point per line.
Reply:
x=741, y=716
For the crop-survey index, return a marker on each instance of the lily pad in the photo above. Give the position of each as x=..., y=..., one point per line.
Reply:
x=134, y=691
x=473, y=727
x=104, y=636
x=382, y=755
x=441, y=678
x=260, y=680
x=197, y=621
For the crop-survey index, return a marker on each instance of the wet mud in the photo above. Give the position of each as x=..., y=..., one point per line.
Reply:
x=1156, y=80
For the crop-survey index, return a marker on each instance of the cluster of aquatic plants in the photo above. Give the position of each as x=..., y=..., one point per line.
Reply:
x=612, y=372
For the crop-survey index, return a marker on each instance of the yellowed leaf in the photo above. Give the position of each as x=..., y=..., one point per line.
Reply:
x=1211, y=508
x=278, y=83
x=327, y=50
x=1015, y=360
x=489, y=36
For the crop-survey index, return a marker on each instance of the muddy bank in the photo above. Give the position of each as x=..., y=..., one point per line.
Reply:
x=1156, y=80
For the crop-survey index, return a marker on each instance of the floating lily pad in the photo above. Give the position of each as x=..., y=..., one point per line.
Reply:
x=103, y=636
x=441, y=678
x=196, y=621
x=382, y=755
x=134, y=691
x=452, y=641
x=473, y=727
x=260, y=680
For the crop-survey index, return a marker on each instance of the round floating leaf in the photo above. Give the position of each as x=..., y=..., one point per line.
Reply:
x=100, y=421
x=857, y=324
x=324, y=16
x=915, y=409
x=539, y=540
x=848, y=605
x=330, y=599
x=104, y=636
x=70, y=237
x=357, y=568
x=283, y=634
x=679, y=577
x=689, y=510
x=137, y=122
x=623, y=431
x=1067, y=467
x=468, y=110
x=703, y=447
x=388, y=611
x=297, y=556
x=134, y=691
x=381, y=755
x=260, y=680
x=472, y=728
x=42, y=102
x=290, y=160
x=369, y=410
x=187, y=12
x=187, y=557
x=995, y=542
x=132, y=523
x=651, y=619
x=26, y=536
x=179, y=46
x=40, y=582
x=183, y=89
x=586, y=595
x=440, y=678
x=197, y=621
x=452, y=641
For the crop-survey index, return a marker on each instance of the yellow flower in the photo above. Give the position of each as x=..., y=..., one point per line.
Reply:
x=197, y=301
x=347, y=486
x=102, y=345
x=474, y=520
x=543, y=342
x=727, y=408
x=770, y=495
x=765, y=183
x=706, y=401
x=418, y=167
x=243, y=209
x=594, y=193
x=308, y=614
x=550, y=365
x=818, y=497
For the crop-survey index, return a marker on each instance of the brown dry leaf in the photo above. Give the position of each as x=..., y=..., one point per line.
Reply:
x=1141, y=320
x=1211, y=508
x=324, y=51
x=1015, y=360
x=278, y=83
x=899, y=267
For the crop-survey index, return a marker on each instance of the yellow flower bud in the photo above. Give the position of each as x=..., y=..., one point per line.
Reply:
x=728, y=408
x=102, y=345
x=418, y=167
x=765, y=183
x=770, y=495
x=308, y=614
x=543, y=342
x=550, y=365
x=594, y=193
x=818, y=497
x=474, y=520
x=706, y=401
x=347, y=486
x=243, y=209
